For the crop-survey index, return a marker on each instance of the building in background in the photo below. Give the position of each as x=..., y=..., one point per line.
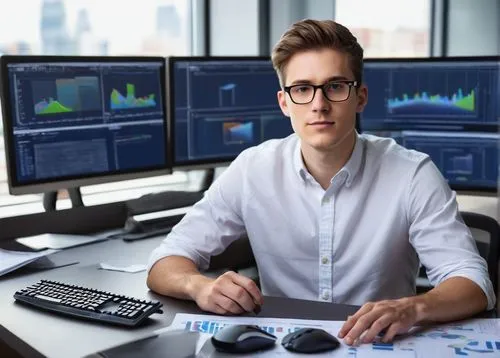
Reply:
x=16, y=48
x=53, y=30
x=168, y=39
x=168, y=21
x=86, y=42
x=82, y=23
x=56, y=39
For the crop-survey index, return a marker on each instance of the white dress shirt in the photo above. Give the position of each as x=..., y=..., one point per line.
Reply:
x=362, y=239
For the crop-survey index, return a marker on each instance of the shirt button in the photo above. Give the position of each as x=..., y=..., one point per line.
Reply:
x=325, y=296
x=324, y=260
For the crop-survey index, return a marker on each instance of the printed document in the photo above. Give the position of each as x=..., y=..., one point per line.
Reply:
x=472, y=338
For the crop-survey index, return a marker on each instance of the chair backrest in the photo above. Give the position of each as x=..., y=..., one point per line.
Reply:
x=489, y=250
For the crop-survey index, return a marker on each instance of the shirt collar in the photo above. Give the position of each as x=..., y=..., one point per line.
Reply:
x=354, y=163
x=351, y=167
x=298, y=162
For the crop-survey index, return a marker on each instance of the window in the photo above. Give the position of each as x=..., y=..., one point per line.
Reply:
x=94, y=27
x=388, y=28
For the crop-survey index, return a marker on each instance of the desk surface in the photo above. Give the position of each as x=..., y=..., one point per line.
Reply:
x=31, y=331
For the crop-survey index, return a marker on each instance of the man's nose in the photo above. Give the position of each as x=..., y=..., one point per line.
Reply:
x=319, y=102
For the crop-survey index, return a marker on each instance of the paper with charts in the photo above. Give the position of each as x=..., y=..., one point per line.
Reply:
x=473, y=338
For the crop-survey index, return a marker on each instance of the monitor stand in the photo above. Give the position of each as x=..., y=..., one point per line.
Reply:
x=50, y=199
x=208, y=179
x=169, y=199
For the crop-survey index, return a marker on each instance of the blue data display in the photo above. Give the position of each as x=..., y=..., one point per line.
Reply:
x=468, y=160
x=83, y=119
x=223, y=107
x=423, y=95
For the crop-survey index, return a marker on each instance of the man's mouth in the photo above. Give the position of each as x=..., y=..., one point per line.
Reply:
x=322, y=123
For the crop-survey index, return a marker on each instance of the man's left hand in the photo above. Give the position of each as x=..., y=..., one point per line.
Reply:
x=392, y=316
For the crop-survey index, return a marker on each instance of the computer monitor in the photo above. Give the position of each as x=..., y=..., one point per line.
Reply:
x=445, y=107
x=221, y=106
x=75, y=121
x=447, y=94
x=467, y=160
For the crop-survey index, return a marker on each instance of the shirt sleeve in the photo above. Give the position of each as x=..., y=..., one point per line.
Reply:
x=211, y=225
x=442, y=241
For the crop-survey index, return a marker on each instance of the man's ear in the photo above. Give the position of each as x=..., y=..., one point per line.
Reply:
x=362, y=97
x=282, y=102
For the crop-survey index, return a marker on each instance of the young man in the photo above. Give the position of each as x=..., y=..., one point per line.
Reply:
x=331, y=215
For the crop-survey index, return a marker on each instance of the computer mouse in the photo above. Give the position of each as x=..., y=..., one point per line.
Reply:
x=310, y=340
x=242, y=339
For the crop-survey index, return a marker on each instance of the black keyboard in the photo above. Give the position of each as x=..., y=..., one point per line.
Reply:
x=136, y=230
x=87, y=303
x=127, y=236
x=163, y=201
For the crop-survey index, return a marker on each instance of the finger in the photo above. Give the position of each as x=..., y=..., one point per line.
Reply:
x=229, y=305
x=219, y=309
x=241, y=296
x=351, y=320
x=378, y=326
x=394, y=329
x=345, y=327
x=249, y=285
x=225, y=287
x=361, y=325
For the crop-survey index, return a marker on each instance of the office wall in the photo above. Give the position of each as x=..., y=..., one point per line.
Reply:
x=234, y=28
x=487, y=205
x=473, y=28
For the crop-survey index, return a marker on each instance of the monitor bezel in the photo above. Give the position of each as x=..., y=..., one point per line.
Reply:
x=464, y=189
x=433, y=59
x=171, y=61
x=74, y=181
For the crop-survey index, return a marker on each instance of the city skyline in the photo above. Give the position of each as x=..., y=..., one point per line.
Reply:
x=126, y=33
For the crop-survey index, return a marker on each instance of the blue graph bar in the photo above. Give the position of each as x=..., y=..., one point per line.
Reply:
x=383, y=346
x=268, y=329
x=213, y=327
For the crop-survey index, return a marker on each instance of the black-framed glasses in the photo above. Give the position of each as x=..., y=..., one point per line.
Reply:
x=334, y=91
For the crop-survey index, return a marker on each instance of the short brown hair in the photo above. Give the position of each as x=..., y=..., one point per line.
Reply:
x=314, y=35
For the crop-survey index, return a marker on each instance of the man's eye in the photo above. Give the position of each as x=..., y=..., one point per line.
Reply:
x=335, y=86
x=301, y=89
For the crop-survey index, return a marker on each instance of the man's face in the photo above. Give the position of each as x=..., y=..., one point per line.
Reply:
x=321, y=124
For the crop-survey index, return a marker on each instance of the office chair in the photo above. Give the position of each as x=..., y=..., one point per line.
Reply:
x=489, y=250
x=486, y=232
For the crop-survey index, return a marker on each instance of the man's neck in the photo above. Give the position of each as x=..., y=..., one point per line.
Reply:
x=324, y=165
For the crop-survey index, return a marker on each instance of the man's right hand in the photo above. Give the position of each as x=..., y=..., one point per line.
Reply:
x=230, y=293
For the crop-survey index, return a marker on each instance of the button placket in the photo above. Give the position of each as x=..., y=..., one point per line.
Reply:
x=325, y=246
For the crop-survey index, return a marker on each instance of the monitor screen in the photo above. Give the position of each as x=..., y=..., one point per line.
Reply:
x=467, y=160
x=445, y=107
x=221, y=106
x=74, y=121
x=450, y=94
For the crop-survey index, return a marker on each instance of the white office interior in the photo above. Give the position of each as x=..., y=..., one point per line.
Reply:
x=250, y=28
